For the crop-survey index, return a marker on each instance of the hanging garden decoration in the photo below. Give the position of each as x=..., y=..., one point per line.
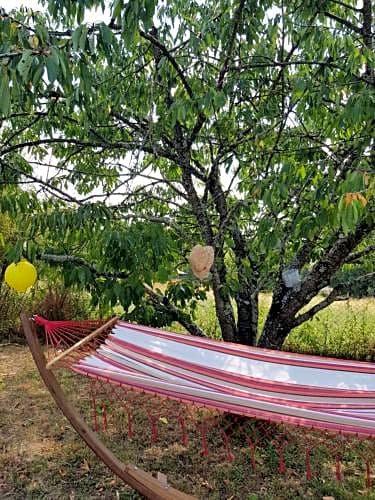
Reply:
x=201, y=260
x=20, y=276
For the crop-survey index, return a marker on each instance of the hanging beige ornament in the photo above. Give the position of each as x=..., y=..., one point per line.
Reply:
x=201, y=260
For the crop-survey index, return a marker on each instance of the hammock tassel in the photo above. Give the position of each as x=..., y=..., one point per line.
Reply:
x=105, y=420
x=184, y=438
x=252, y=454
x=153, y=428
x=230, y=455
x=94, y=409
x=338, y=468
x=368, y=475
x=280, y=453
x=203, y=432
x=308, y=465
x=130, y=423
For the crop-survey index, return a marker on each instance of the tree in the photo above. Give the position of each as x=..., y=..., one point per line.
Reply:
x=247, y=126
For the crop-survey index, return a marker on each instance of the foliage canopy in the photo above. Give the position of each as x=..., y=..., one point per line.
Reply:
x=248, y=126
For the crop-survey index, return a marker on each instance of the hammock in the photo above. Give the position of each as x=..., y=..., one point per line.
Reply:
x=325, y=394
x=311, y=391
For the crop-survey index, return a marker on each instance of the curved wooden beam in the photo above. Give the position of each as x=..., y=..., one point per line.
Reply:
x=137, y=478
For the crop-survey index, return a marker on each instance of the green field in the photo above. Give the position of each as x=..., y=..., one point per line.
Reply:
x=344, y=329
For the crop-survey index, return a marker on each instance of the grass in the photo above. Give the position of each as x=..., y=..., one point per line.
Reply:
x=41, y=456
x=344, y=329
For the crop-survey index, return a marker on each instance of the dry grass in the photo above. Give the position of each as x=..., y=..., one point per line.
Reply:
x=41, y=457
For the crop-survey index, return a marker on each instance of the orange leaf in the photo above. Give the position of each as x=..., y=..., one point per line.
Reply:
x=349, y=197
x=361, y=199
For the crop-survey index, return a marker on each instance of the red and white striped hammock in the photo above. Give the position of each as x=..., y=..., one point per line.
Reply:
x=321, y=393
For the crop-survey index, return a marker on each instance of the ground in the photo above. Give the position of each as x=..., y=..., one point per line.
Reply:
x=41, y=456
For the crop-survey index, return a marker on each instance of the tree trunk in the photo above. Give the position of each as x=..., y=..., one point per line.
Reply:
x=287, y=302
x=223, y=306
x=279, y=319
x=275, y=331
x=248, y=312
x=367, y=34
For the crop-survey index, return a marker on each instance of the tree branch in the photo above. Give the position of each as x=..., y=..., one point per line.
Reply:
x=63, y=195
x=236, y=24
x=332, y=297
x=162, y=302
x=346, y=6
x=365, y=277
x=51, y=140
x=79, y=261
x=344, y=22
x=130, y=146
x=282, y=64
x=358, y=255
x=332, y=260
x=171, y=59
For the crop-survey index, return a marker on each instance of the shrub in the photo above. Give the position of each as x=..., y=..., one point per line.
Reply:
x=11, y=304
x=59, y=303
x=54, y=303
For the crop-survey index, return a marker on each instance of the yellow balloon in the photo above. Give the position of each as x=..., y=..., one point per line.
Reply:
x=20, y=276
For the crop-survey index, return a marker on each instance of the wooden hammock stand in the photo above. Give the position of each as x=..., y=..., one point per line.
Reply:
x=138, y=479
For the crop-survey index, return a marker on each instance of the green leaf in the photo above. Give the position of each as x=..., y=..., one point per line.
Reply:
x=38, y=73
x=83, y=38
x=52, y=67
x=82, y=276
x=163, y=275
x=4, y=93
x=220, y=99
x=76, y=37
x=117, y=8
x=15, y=253
x=24, y=64
x=42, y=33
x=106, y=34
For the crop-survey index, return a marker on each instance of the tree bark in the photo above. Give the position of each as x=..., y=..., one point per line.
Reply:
x=278, y=323
x=248, y=313
x=367, y=34
x=287, y=302
x=275, y=331
x=245, y=331
x=223, y=306
x=162, y=303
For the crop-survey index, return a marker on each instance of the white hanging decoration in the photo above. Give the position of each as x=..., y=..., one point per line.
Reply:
x=201, y=259
x=292, y=278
